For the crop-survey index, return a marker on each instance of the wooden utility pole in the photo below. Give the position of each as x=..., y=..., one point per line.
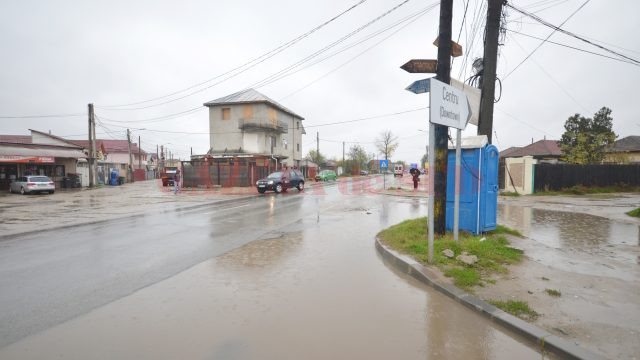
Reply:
x=490, y=60
x=139, y=153
x=441, y=132
x=318, y=145
x=344, y=166
x=130, y=170
x=92, y=155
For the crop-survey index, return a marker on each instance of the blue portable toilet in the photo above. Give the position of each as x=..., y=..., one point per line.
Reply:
x=113, y=177
x=478, y=185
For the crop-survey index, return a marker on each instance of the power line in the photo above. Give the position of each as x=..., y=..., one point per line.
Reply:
x=547, y=38
x=416, y=17
x=566, y=32
x=248, y=65
x=41, y=116
x=574, y=48
x=367, y=118
x=277, y=75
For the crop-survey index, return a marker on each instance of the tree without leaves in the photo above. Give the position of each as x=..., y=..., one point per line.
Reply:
x=585, y=140
x=358, y=156
x=387, y=143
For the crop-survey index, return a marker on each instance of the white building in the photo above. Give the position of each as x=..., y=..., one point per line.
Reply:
x=249, y=122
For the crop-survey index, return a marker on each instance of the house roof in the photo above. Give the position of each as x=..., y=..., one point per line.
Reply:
x=629, y=143
x=13, y=149
x=250, y=96
x=110, y=146
x=507, y=152
x=538, y=148
x=16, y=139
x=69, y=142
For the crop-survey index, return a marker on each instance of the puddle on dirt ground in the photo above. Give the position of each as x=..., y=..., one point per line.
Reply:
x=577, y=240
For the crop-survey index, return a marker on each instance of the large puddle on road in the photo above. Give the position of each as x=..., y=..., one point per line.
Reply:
x=316, y=289
x=577, y=242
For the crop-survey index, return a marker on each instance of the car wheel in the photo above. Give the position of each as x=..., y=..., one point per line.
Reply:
x=51, y=192
x=301, y=186
x=261, y=191
x=278, y=188
x=22, y=191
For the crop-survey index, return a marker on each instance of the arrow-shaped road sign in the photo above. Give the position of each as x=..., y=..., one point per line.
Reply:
x=420, y=86
x=420, y=66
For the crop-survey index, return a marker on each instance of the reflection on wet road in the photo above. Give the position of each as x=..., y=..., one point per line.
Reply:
x=273, y=277
x=577, y=241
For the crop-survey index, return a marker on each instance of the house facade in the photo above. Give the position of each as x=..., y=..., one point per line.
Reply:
x=516, y=164
x=624, y=151
x=250, y=123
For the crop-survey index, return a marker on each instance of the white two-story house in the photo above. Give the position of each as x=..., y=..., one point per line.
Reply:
x=249, y=122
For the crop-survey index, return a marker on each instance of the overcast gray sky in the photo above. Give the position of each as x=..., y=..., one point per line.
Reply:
x=57, y=56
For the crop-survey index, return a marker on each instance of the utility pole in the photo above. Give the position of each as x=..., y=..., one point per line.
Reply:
x=490, y=60
x=191, y=151
x=318, y=144
x=441, y=132
x=157, y=161
x=130, y=170
x=139, y=153
x=344, y=166
x=92, y=155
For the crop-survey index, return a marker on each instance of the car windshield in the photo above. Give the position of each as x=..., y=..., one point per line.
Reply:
x=39, y=179
x=275, y=175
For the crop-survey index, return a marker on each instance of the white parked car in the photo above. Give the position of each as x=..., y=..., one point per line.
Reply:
x=32, y=184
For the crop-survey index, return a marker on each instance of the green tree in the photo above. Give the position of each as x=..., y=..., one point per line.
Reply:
x=585, y=140
x=316, y=157
x=358, y=156
x=387, y=143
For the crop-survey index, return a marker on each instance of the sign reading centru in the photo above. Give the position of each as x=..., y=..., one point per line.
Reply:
x=448, y=105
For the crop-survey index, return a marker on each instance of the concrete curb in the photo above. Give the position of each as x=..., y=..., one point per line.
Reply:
x=183, y=208
x=536, y=335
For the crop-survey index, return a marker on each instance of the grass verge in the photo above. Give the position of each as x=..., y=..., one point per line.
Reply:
x=552, y=292
x=583, y=190
x=492, y=249
x=634, y=213
x=517, y=308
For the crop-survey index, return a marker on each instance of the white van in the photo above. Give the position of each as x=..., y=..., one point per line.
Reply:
x=397, y=170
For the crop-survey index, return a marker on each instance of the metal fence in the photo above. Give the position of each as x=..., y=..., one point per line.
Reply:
x=207, y=175
x=561, y=176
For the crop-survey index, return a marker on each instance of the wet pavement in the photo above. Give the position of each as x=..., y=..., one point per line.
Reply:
x=594, y=261
x=276, y=276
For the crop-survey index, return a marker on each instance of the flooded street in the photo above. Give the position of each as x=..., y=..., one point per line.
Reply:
x=276, y=277
x=592, y=261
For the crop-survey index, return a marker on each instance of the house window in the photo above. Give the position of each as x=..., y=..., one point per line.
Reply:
x=226, y=113
x=298, y=146
x=297, y=125
x=273, y=116
x=248, y=112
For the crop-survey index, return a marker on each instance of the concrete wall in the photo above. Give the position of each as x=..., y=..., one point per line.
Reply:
x=518, y=175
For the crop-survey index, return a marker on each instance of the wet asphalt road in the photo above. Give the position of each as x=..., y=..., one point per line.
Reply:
x=235, y=278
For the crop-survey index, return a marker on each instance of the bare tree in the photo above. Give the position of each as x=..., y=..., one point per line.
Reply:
x=387, y=143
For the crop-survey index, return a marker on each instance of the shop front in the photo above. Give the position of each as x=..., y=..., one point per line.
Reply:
x=35, y=159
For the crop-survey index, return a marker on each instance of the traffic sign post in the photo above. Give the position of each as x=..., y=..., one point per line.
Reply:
x=448, y=106
x=384, y=164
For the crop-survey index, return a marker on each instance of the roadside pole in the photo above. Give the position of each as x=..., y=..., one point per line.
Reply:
x=456, y=201
x=91, y=154
x=130, y=172
x=432, y=187
x=139, y=153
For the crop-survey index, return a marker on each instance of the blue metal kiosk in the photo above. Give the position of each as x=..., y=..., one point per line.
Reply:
x=478, y=185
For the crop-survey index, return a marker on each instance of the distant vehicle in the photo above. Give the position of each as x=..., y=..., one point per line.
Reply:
x=167, y=174
x=364, y=172
x=281, y=181
x=32, y=184
x=326, y=175
x=398, y=170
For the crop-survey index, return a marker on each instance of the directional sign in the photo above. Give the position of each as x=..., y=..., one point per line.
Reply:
x=420, y=66
x=448, y=105
x=384, y=164
x=420, y=86
x=456, y=49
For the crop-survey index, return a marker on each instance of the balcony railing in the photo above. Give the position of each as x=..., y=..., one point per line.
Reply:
x=278, y=126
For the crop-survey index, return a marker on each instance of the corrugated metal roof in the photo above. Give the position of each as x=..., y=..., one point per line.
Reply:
x=40, y=150
x=250, y=96
x=16, y=139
